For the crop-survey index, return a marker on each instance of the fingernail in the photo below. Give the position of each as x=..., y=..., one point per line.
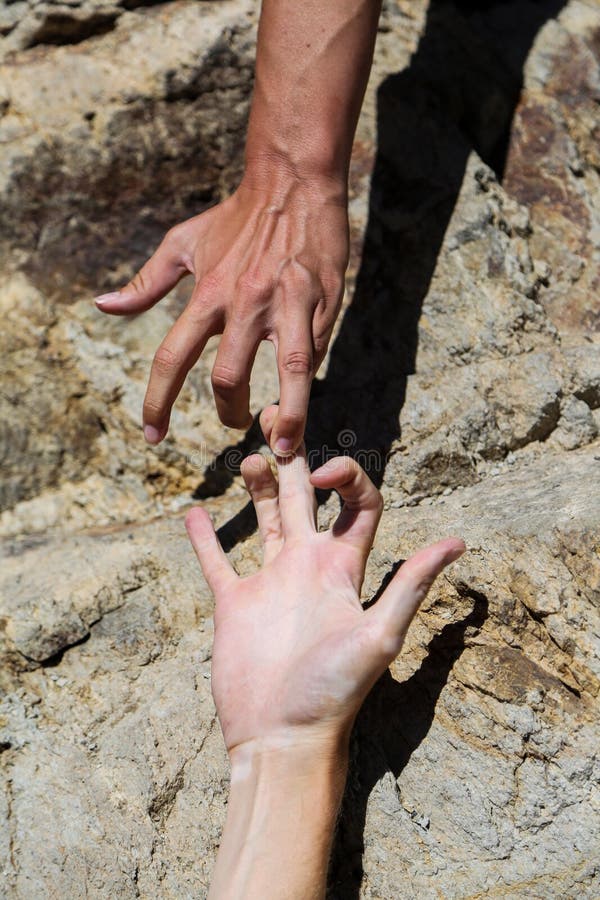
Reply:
x=283, y=446
x=106, y=298
x=152, y=434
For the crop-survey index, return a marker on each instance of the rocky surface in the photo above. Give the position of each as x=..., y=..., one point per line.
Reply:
x=473, y=310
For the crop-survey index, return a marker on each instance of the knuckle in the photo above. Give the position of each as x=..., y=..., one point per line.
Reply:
x=226, y=379
x=254, y=288
x=140, y=282
x=210, y=286
x=321, y=344
x=271, y=533
x=153, y=410
x=333, y=284
x=297, y=362
x=166, y=362
x=201, y=313
x=175, y=237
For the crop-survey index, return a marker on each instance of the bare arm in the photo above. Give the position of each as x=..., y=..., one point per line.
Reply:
x=312, y=65
x=269, y=261
x=281, y=813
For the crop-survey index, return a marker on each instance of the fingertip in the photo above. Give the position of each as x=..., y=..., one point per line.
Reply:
x=428, y=563
x=455, y=549
x=259, y=477
x=232, y=419
x=334, y=471
x=252, y=462
x=154, y=435
x=254, y=466
x=196, y=522
x=203, y=538
x=189, y=518
x=111, y=302
x=443, y=553
x=102, y=299
x=288, y=432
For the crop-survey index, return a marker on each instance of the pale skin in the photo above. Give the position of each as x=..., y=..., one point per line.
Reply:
x=295, y=655
x=269, y=261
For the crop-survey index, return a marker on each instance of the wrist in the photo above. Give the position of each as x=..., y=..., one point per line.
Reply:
x=283, y=803
x=278, y=174
x=291, y=755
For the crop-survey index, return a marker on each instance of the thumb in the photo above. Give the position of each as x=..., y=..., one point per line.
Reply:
x=159, y=275
x=396, y=608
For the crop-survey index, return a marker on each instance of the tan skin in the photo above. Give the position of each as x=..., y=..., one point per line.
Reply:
x=295, y=654
x=269, y=261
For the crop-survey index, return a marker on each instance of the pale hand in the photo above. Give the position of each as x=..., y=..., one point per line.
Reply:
x=294, y=652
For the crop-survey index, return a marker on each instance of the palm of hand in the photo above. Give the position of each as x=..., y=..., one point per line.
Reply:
x=286, y=643
x=294, y=650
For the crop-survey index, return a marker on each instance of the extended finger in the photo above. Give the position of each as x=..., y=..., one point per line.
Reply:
x=217, y=569
x=231, y=373
x=172, y=361
x=262, y=487
x=297, y=503
x=295, y=362
x=159, y=275
x=396, y=608
x=360, y=514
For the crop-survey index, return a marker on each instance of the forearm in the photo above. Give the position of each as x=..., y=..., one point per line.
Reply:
x=312, y=66
x=281, y=815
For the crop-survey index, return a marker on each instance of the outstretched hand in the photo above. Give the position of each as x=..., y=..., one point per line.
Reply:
x=294, y=652
x=269, y=264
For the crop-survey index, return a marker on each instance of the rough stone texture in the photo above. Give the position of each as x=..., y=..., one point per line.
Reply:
x=465, y=374
x=107, y=142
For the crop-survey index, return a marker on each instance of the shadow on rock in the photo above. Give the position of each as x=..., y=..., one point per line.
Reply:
x=459, y=94
x=392, y=723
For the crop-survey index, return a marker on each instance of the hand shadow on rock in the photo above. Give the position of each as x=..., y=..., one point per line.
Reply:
x=392, y=723
x=458, y=94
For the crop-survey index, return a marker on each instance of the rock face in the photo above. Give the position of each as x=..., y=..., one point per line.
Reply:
x=472, y=309
x=109, y=140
